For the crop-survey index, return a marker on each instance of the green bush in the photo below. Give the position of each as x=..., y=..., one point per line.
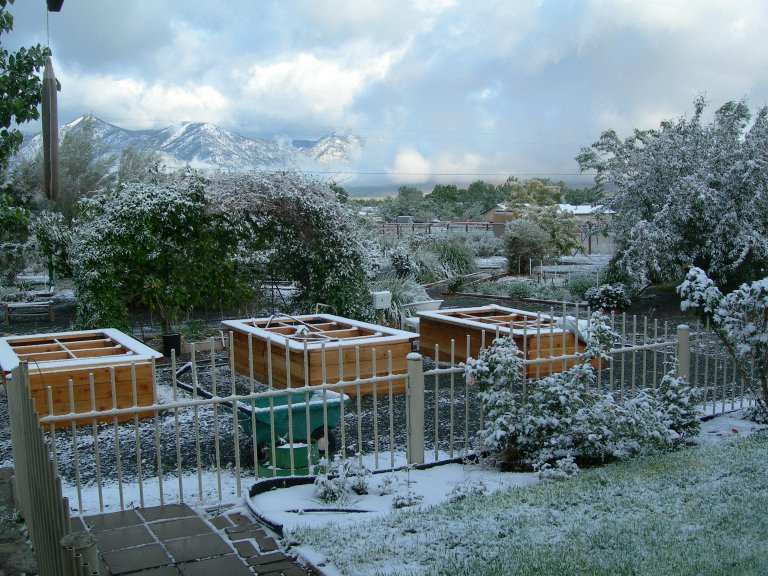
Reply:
x=519, y=290
x=578, y=284
x=404, y=291
x=455, y=257
x=608, y=297
x=484, y=243
x=525, y=241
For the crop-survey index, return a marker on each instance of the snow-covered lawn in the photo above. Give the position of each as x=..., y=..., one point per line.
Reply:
x=692, y=511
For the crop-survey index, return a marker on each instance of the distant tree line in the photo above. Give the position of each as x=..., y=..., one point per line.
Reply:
x=452, y=202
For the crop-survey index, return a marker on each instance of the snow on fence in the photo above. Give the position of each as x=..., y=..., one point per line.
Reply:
x=212, y=432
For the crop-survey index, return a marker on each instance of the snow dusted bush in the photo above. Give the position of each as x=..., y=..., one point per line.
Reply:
x=386, y=485
x=333, y=480
x=565, y=418
x=155, y=244
x=466, y=489
x=304, y=233
x=407, y=499
x=403, y=263
x=608, y=297
x=740, y=320
x=689, y=194
x=679, y=401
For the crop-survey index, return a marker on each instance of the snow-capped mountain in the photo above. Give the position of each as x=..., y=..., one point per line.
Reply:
x=207, y=146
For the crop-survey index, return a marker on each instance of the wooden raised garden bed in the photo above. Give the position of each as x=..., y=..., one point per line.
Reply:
x=303, y=339
x=55, y=359
x=539, y=336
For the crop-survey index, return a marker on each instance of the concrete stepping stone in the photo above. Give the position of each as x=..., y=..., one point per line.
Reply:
x=113, y=520
x=224, y=565
x=135, y=559
x=179, y=528
x=120, y=538
x=167, y=512
x=197, y=547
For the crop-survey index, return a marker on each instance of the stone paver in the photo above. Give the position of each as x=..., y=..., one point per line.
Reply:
x=174, y=540
x=245, y=549
x=269, y=558
x=113, y=520
x=134, y=559
x=179, y=528
x=120, y=538
x=167, y=512
x=224, y=565
x=162, y=571
x=197, y=547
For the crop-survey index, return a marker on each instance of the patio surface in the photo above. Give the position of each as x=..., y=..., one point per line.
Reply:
x=175, y=540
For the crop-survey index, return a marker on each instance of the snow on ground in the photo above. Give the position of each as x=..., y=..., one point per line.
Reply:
x=288, y=506
x=421, y=538
x=691, y=511
x=725, y=427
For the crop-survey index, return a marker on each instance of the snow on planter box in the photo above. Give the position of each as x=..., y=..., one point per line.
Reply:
x=537, y=335
x=56, y=358
x=348, y=345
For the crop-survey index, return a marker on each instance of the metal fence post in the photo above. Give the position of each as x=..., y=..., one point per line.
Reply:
x=415, y=407
x=684, y=351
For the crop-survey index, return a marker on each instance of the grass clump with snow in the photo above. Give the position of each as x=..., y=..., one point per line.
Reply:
x=691, y=512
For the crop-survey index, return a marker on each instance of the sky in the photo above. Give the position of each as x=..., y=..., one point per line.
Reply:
x=440, y=90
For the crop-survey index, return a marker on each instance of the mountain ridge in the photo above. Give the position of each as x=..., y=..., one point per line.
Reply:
x=207, y=146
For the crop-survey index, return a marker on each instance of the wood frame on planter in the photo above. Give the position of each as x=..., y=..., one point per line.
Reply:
x=56, y=358
x=291, y=348
x=536, y=335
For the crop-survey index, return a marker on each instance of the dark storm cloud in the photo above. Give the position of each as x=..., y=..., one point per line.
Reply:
x=432, y=85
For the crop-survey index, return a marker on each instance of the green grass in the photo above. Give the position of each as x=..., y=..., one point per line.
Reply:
x=699, y=511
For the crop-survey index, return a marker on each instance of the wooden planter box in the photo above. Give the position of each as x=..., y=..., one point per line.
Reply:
x=303, y=339
x=539, y=336
x=55, y=359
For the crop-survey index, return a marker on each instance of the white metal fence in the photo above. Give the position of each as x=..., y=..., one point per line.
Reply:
x=211, y=433
x=38, y=490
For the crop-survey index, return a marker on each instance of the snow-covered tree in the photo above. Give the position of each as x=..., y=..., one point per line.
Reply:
x=155, y=245
x=689, y=193
x=740, y=319
x=303, y=233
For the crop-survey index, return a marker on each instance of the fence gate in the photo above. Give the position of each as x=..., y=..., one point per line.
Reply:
x=37, y=487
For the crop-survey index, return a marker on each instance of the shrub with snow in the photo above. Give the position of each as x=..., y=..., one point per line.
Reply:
x=565, y=418
x=740, y=320
x=403, y=263
x=689, y=192
x=304, y=234
x=466, y=489
x=333, y=480
x=608, y=297
x=679, y=401
x=407, y=499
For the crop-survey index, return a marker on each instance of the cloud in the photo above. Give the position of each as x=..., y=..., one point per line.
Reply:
x=433, y=86
x=412, y=167
x=132, y=103
x=313, y=88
